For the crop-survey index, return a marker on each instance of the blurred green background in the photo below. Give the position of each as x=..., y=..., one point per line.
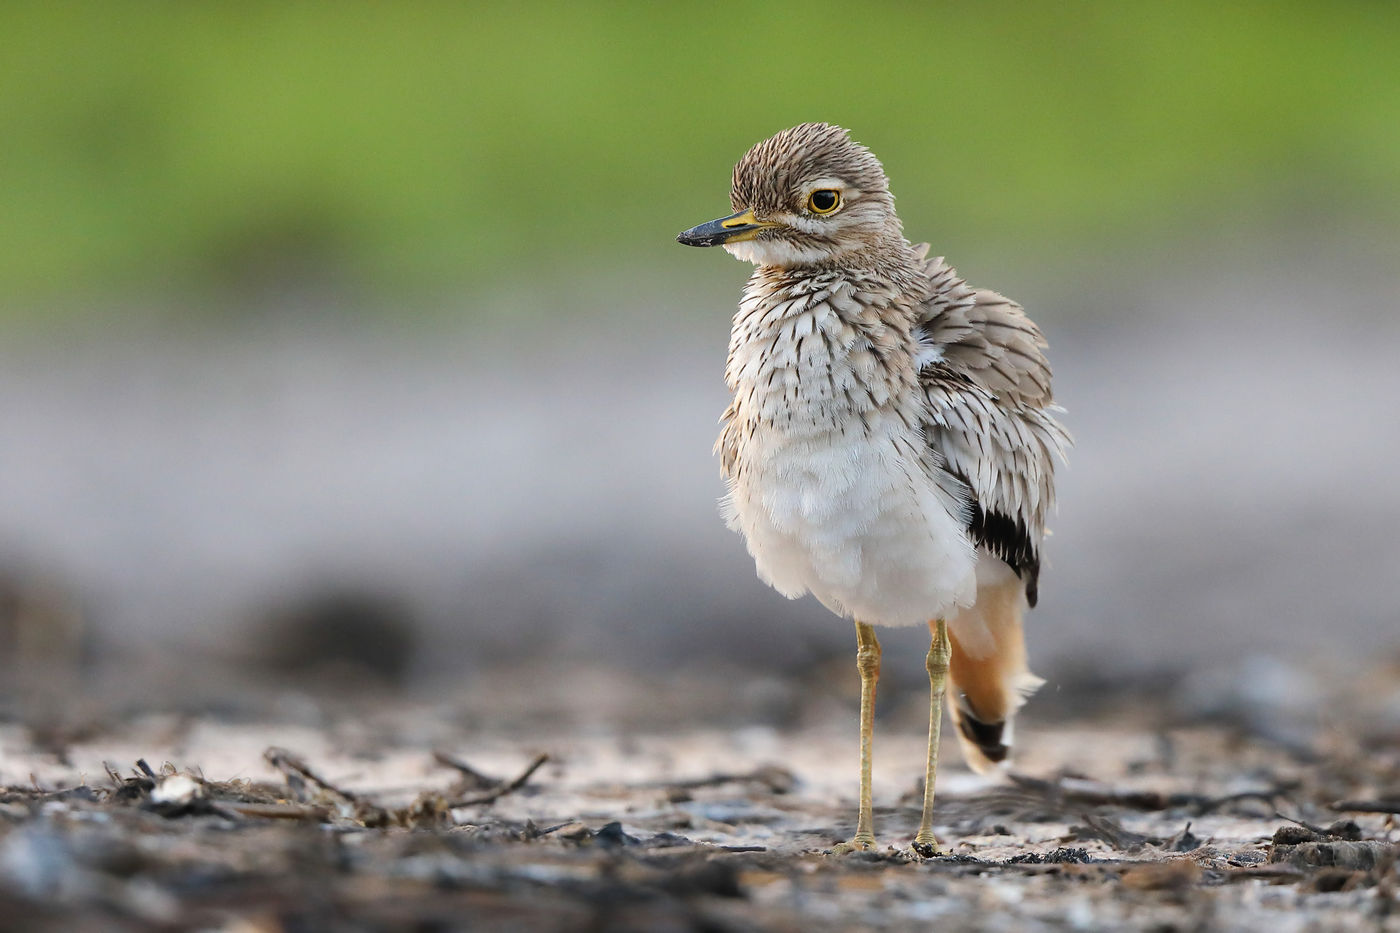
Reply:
x=368, y=318
x=408, y=151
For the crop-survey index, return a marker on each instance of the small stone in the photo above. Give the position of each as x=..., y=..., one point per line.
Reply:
x=176, y=790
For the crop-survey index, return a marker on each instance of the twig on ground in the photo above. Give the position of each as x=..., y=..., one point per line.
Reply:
x=1113, y=833
x=296, y=770
x=777, y=779
x=1366, y=806
x=277, y=811
x=501, y=790
x=467, y=771
x=1279, y=873
x=1081, y=792
x=290, y=764
x=1211, y=804
x=1342, y=829
x=136, y=787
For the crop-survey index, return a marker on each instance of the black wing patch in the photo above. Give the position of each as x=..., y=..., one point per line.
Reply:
x=1004, y=536
x=1008, y=539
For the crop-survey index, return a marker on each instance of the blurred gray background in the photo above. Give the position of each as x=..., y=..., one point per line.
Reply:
x=359, y=333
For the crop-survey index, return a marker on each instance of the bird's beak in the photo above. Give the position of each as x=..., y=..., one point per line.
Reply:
x=736, y=228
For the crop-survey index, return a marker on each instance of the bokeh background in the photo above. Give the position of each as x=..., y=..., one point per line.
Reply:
x=353, y=336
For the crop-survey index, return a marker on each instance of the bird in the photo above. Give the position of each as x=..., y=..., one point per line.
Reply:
x=891, y=442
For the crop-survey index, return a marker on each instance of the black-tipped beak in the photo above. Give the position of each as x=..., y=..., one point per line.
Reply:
x=732, y=229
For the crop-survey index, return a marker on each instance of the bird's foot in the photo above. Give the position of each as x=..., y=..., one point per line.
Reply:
x=925, y=846
x=863, y=842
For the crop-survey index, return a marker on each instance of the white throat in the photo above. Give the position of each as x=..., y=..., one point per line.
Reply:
x=774, y=253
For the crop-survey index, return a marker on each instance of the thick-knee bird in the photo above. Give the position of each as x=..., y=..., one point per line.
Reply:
x=891, y=443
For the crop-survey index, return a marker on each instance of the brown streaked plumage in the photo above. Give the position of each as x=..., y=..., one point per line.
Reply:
x=891, y=442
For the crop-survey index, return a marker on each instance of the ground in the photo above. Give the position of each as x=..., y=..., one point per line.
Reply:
x=382, y=813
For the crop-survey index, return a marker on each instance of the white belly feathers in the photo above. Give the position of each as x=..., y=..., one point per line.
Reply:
x=831, y=484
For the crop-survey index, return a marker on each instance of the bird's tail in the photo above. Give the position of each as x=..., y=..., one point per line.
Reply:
x=988, y=676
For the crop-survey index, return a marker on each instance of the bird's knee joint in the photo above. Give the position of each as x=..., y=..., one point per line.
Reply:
x=937, y=662
x=868, y=661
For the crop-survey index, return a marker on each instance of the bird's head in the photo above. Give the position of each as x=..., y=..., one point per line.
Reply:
x=807, y=196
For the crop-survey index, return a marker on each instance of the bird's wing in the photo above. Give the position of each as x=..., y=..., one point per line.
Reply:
x=991, y=414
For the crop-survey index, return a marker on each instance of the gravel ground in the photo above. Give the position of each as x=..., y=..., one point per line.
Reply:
x=529, y=803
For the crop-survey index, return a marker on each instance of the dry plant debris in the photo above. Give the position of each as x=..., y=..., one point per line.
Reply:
x=1103, y=828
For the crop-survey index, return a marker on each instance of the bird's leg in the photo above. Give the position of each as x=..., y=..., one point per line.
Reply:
x=937, y=663
x=868, y=663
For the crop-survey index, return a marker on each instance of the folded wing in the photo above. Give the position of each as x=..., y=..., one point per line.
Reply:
x=991, y=414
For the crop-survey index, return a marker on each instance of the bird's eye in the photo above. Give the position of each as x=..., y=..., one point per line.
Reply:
x=824, y=201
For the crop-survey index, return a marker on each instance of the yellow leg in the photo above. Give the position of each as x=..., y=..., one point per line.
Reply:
x=937, y=663
x=868, y=663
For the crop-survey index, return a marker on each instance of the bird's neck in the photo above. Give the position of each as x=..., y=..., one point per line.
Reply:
x=888, y=256
x=814, y=348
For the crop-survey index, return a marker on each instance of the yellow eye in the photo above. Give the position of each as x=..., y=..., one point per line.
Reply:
x=824, y=201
